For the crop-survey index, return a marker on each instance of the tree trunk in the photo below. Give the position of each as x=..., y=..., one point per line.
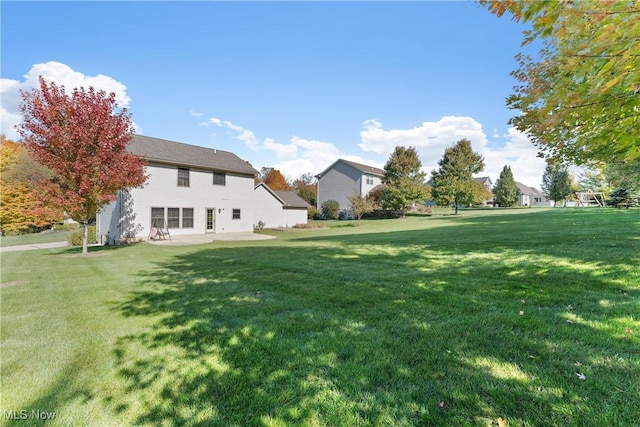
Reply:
x=85, y=238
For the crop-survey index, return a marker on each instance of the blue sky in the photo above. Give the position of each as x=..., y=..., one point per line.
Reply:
x=291, y=85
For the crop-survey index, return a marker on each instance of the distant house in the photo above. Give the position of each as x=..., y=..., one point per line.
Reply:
x=530, y=196
x=344, y=179
x=190, y=190
x=275, y=208
x=486, y=181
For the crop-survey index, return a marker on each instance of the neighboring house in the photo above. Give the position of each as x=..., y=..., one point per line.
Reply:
x=344, y=179
x=530, y=196
x=486, y=181
x=276, y=208
x=189, y=190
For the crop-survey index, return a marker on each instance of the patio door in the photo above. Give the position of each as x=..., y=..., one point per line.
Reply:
x=211, y=220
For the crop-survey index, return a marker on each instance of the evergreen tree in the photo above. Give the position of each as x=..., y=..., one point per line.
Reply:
x=506, y=191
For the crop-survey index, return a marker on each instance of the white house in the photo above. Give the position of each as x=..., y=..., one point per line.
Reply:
x=275, y=208
x=189, y=190
x=530, y=196
x=486, y=181
x=343, y=179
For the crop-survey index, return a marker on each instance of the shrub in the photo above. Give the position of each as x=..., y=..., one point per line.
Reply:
x=75, y=238
x=313, y=213
x=330, y=209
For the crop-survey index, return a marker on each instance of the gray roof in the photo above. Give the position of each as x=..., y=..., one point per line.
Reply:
x=177, y=153
x=359, y=166
x=529, y=191
x=291, y=199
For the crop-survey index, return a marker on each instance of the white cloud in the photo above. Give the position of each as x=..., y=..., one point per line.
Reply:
x=62, y=75
x=432, y=138
x=315, y=156
x=195, y=113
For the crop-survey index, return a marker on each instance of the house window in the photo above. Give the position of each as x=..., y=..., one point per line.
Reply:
x=157, y=217
x=219, y=178
x=183, y=177
x=187, y=217
x=369, y=179
x=173, y=217
x=236, y=214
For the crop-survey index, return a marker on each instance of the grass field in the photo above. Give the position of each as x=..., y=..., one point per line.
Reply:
x=528, y=315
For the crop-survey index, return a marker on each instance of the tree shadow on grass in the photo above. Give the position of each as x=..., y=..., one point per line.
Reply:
x=371, y=329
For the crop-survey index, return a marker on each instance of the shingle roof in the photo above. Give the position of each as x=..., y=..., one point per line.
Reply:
x=359, y=166
x=177, y=153
x=291, y=199
x=526, y=190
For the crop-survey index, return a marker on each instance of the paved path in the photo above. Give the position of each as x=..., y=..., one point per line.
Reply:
x=34, y=246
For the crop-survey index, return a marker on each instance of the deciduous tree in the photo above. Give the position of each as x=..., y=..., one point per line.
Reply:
x=452, y=183
x=404, y=182
x=361, y=205
x=306, y=188
x=82, y=138
x=274, y=179
x=580, y=100
x=21, y=210
x=556, y=182
x=505, y=190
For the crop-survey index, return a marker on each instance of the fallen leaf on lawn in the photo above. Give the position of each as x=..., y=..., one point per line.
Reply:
x=531, y=357
x=627, y=330
x=521, y=312
x=441, y=404
x=580, y=376
x=569, y=321
x=522, y=301
x=569, y=307
x=502, y=422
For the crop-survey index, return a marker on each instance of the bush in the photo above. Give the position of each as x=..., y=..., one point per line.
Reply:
x=330, y=209
x=313, y=213
x=66, y=227
x=75, y=238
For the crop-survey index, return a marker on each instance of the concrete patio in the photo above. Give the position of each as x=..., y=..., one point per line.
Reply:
x=198, y=239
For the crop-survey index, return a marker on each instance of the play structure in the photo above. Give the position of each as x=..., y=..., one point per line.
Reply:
x=588, y=197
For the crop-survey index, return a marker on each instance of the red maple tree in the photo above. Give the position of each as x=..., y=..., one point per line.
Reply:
x=82, y=138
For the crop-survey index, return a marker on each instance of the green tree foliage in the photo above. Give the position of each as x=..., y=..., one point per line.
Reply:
x=403, y=179
x=580, y=99
x=505, y=190
x=306, y=188
x=556, y=182
x=362, y=205
x=452, y=183
x=330, y=209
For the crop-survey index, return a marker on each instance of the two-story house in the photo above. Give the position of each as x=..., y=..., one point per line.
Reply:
x=344, y=179
x=189, y=190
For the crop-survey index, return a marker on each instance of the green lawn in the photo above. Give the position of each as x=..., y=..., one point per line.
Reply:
x=31, y=239
x=437, y=320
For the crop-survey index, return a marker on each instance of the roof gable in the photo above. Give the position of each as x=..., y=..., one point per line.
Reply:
x=177, y=153
x=358, y=166
x=288, y=199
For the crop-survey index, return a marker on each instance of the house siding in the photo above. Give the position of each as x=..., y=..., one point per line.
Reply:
x=342, y=181
x=273, y=213
x=162, y=190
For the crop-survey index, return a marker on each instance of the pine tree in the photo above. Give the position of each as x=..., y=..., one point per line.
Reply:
x=506, y=191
